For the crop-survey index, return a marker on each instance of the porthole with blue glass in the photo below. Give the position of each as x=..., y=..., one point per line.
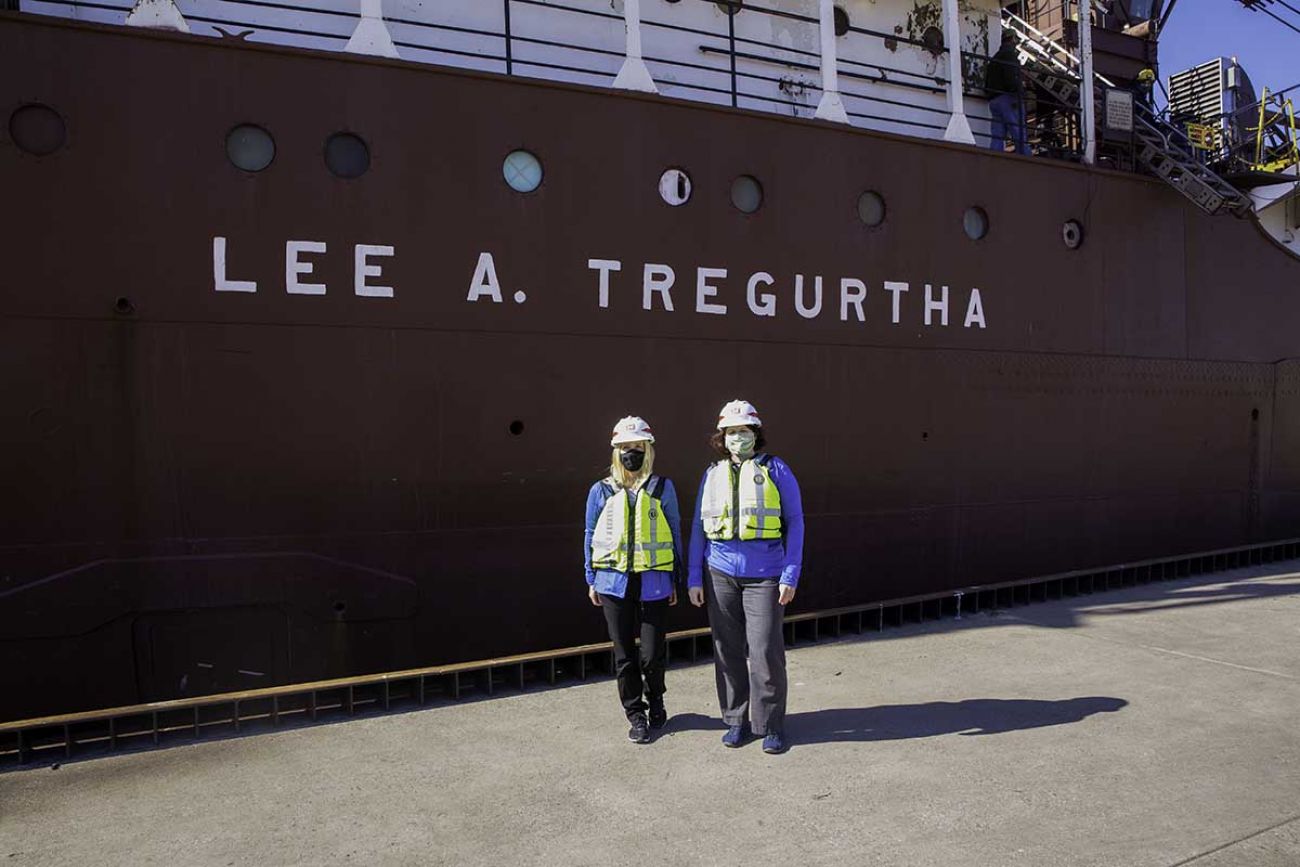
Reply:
x=522, y=171
x=976, y=223
x=746, y=194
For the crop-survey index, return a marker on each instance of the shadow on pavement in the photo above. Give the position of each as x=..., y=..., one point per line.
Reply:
x=976, y=716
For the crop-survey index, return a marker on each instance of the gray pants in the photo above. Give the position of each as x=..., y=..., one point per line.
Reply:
x=746, y=612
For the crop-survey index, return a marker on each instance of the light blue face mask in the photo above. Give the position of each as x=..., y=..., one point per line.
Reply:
x=740, y=443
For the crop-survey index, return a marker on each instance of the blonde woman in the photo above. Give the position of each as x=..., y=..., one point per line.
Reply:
x=633, y=550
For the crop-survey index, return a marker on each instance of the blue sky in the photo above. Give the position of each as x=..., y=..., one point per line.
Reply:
x=1199, y=30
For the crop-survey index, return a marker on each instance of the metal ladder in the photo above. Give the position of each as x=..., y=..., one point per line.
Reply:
x=1159, y=146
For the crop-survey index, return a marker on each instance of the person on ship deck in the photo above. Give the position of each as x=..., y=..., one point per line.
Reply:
x=748, y=532
x=633, y=552
x=1002, y=84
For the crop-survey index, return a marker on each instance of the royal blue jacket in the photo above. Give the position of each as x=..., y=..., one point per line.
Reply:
x=756, y=558
x=654, y=585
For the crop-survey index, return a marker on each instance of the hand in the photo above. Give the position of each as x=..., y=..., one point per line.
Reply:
x=593, y=595
x=787, y=594
x=672, y=600
x=697, y=596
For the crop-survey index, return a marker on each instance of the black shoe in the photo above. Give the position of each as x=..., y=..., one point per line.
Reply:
x=658, y=717
x=640, y=731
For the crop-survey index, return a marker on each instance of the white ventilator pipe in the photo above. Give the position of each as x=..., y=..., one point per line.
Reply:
x=958, y=126
x=158, y=14
x=634, y=75
x=1085, y=85
x=371, y=35
x=831, y=106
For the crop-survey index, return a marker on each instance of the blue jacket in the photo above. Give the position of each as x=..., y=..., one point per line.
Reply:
x=654, y=585
x=757, y=558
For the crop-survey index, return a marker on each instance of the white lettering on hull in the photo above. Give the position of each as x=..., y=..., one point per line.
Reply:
x=295, y=267
x=760, y=305
x=974, y=310
x=484, y=283
x=857, y=298
x=604, y=267
x=362, y=269
x=219, y=271
x=657, y=279
x=704, y=289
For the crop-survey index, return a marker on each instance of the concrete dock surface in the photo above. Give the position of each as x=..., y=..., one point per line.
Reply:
x=1156, y=725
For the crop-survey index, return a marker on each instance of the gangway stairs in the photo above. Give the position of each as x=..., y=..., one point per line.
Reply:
x=1160, y=147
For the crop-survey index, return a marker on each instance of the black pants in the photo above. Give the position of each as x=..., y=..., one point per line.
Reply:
x=626, y=618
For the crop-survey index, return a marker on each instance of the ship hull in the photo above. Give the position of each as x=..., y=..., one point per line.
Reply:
x=214, y=489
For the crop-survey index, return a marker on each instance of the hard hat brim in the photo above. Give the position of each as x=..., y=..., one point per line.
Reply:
x=624, y=438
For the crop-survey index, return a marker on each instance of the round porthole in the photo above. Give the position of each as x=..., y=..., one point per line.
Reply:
x=522, y=171
x=841, y=21
x=746, y=194
x=250, y=148
x=1072, y=234
x=37, y=129
x=976, y=223
x=871, y=208
x=675, y=187
x=346, y=155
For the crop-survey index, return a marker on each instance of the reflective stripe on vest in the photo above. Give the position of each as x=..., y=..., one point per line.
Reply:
x=652, y=548
x=752, y=491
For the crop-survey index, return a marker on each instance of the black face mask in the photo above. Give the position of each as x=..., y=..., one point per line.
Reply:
x=632, y=459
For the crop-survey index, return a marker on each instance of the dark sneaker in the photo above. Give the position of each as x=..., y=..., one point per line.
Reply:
x=774, y=743
x=736, y=735
x=658, y=717
x=640, y=731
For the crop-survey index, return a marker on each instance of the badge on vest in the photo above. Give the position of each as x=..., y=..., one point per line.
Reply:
x=653, y=513
x=758, y=479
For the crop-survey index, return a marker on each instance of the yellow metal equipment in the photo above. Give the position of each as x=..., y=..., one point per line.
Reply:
x=1276, y=146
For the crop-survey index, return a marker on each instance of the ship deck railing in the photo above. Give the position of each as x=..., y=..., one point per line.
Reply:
x=161, y=723
x=876, y=95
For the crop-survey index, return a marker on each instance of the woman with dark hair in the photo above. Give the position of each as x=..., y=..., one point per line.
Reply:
x=748, y=532
x=633, y=545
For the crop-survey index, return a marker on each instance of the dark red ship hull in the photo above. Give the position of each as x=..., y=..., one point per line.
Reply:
x=210, y=490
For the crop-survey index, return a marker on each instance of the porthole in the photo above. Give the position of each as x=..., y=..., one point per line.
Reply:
x=871, y=208
x=346, y=155
x=1072, y=234
x=976, y=223
x=841, y=21
x=675, y=187
x=37, y=129
x=746, y=194
x=250, y=147
x=522, y=171
x=731, y=7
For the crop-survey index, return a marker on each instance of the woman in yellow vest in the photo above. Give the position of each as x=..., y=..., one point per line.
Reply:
x=748, y=533
x=633, y=547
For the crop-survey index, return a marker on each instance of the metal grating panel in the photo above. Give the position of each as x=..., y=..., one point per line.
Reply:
x=1198, y=92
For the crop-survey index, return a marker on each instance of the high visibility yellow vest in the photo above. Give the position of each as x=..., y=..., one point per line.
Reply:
x=747, y=491
x=647, y=545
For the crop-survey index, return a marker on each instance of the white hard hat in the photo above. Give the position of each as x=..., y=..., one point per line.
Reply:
x=632, y=429
x=738, y=412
